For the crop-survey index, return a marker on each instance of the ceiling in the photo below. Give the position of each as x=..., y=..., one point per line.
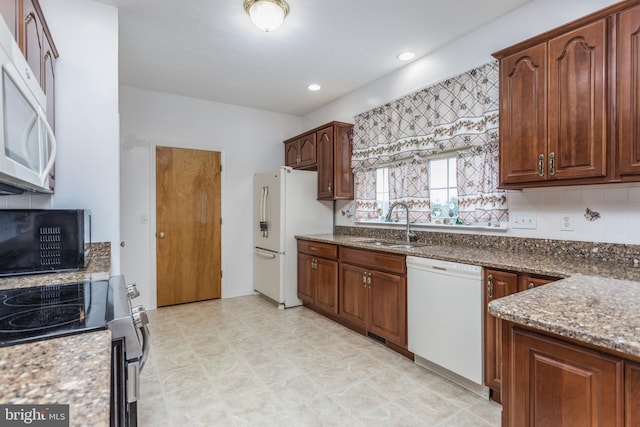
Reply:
x=209, y=49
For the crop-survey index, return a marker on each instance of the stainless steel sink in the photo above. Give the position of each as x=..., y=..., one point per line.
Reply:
x=394, y=245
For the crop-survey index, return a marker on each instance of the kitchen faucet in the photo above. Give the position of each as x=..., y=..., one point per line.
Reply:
x=411, y=236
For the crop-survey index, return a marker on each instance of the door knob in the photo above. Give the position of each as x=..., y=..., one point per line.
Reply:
x=161, y=235
x=122, y=244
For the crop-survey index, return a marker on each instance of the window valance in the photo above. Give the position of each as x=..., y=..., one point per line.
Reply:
x=459, y=112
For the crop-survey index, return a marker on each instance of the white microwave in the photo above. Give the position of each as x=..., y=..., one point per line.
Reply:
x=27, y=143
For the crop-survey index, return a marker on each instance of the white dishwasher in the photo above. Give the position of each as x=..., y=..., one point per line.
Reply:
x=445, y=320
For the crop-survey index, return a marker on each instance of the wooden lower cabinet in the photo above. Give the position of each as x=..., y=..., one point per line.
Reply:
x=318, y=276
x=632, y=394
x=373, y=299
x=499, y=284
x=550, y=382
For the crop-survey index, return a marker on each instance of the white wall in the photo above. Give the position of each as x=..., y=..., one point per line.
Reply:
x=619, y=204
x=87, y=172
x=250, y=141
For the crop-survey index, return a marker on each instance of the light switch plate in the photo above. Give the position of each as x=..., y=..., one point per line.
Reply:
x=524, y=220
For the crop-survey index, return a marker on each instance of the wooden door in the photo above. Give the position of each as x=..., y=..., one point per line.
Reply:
x=353, y=294
x=578, y=103
x=188, y=225
x=324, y=141
x=632, y=394
x=306, y=279
x=498, y=284
x=558, y=384
x=326, y=284
x=388, y=306
x=629, y=92
x=523, y=116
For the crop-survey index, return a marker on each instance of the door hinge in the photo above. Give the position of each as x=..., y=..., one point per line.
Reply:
x=220, y=221
x=220, y=273
x=220, y=167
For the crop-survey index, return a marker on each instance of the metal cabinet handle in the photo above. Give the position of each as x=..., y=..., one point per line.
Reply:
x=329, y=187
x=541, y=165
x=552, y=164
x=161, y=235
x=369, y=280
x=531, y=285
x=364, y=280
x=490, y=286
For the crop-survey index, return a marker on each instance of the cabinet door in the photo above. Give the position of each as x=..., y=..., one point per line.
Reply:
x=306, y=291
x=307, y=151
x=523, y=116
x=632, y=394
x=324, y=141
x=353, y=294
x=554, y=383
x=32, y=38
x=577, y=103
x=388, y=306
x=326, y=284
x=9, y=12
x=291, y=153
x=498, y=284
x=343, y=175
x=629, y=92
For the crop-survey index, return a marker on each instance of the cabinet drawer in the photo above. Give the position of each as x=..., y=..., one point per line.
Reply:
x=325, y=250
x=374, y=260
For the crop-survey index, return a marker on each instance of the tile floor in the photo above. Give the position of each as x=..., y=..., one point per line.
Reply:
x=243, y=362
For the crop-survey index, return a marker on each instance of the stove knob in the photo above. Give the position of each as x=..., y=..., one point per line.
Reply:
x=139, y=315
x=132, y=291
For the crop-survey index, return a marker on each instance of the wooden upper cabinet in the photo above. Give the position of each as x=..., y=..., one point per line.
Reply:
x=32, y=42
x=9, y=12
x=326, y=149
x=523, y=115
x=577, y=103
x=553, y=109
x=300, y=153
x=629, y=93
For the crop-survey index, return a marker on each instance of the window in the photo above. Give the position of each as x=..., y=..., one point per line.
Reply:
x=443, y=191
x=382, y=191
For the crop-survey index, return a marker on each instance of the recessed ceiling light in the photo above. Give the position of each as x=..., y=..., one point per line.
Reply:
x=406, y=56
x=314, y=87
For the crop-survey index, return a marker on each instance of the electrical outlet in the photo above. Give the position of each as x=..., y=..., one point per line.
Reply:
x=567, y=222
x=524, y=220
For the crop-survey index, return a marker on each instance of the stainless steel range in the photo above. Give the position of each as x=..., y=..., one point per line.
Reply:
x=43, y=312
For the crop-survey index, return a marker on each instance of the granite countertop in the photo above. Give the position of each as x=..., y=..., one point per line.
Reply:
x=597, y=302
x=98, y=268
x=516, y=261
x=596, y=310
x=74, y=370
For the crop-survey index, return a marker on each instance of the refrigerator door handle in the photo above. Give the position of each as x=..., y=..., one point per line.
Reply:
x=263, y=212
x=265, y=254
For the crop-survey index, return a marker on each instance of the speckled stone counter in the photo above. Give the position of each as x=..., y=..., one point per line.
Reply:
x=98, y=268
x=599, y=311
x=74, y=370
x=527, y=262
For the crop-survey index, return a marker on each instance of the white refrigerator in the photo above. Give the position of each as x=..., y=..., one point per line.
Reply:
x=285, y=205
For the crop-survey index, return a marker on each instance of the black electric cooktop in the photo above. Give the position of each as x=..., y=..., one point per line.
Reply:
x=42, y=312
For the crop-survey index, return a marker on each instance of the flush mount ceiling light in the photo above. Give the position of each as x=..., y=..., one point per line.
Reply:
x=406, y=56
x=266, y=14
x=314, y=87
